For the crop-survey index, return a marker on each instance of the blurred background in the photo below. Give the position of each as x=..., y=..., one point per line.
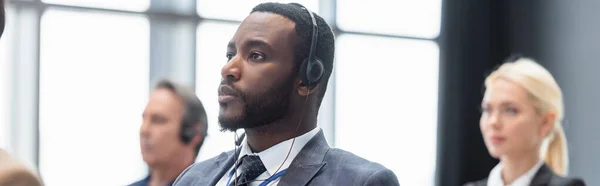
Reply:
x=405, y=92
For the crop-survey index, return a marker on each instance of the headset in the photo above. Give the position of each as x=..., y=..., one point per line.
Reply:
x=187, y=130
x=312, y=67
x=239, y=140
x=187, y=134
x=311, y=71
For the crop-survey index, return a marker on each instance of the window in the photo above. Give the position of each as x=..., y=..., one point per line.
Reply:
x=237, y=10
x=212, y=47
x=399, y=17
x=6, y=80
x=130, y=5
x=93, y=89
x=386, y=94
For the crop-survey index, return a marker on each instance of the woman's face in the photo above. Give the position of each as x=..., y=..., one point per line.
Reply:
x=509, y=122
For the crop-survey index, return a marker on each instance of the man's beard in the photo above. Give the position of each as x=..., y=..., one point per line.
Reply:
x=262, y=108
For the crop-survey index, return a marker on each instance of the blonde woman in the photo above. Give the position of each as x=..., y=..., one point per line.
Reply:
x=522, y=110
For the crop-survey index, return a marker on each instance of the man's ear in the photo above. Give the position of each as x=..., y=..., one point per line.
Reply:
x=199, y=137
x=303, y=89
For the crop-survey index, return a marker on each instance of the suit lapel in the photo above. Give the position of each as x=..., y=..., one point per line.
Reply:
x=223, y=164
x=307, y=163
x=543, y=176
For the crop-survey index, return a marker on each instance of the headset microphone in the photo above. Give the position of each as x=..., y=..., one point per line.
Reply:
x=238, y=142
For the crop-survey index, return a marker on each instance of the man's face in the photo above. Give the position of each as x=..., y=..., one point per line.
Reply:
x=159, y=134
x=258, y=79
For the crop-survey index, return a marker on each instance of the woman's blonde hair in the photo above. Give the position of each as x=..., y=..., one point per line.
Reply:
x=547, y=96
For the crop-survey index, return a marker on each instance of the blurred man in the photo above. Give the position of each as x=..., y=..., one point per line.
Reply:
x=173, y=130
x=272, y=87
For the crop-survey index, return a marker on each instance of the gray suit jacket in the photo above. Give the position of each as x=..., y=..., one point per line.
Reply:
x=316, y=164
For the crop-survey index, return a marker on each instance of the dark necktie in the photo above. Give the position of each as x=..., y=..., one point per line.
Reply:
x=251, y=167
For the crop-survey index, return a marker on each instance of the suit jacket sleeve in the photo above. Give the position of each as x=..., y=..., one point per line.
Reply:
x=382, y=177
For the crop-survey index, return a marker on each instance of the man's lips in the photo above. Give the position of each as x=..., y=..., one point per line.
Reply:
x=225, y=90
x=227, y=94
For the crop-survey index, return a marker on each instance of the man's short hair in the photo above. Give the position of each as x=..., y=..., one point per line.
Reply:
x=193, y=114
x=325, y=49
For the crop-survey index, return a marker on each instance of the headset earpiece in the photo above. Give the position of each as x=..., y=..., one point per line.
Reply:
x=311, y=73
x=311, y=69
x=187, y=132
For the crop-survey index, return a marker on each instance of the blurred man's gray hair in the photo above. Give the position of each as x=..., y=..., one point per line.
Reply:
x=194, y=113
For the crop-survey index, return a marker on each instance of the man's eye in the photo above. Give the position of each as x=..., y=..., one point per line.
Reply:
x=229, y=56
x=257, y=56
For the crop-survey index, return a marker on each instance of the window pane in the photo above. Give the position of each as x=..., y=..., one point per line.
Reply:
x=399, y=17
x=93, y=89
x=211, y=49
x=393, y=102
x=6, y=61
x=130, y=5
x=237, y=10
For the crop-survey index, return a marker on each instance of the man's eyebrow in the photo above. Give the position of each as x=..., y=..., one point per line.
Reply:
x=250, y=43
x=231, y=45
x=257, y=43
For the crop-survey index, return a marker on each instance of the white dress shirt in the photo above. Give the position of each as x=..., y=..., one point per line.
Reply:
x=495, y=178
x=272, y=158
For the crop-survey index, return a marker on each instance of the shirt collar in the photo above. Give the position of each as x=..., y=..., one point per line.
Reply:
x=274, y=156
x=495, y=178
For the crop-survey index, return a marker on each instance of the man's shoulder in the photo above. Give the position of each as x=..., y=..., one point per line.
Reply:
x=211, y=161
x=207, y=169
x=371, y=173
x=348, y=160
